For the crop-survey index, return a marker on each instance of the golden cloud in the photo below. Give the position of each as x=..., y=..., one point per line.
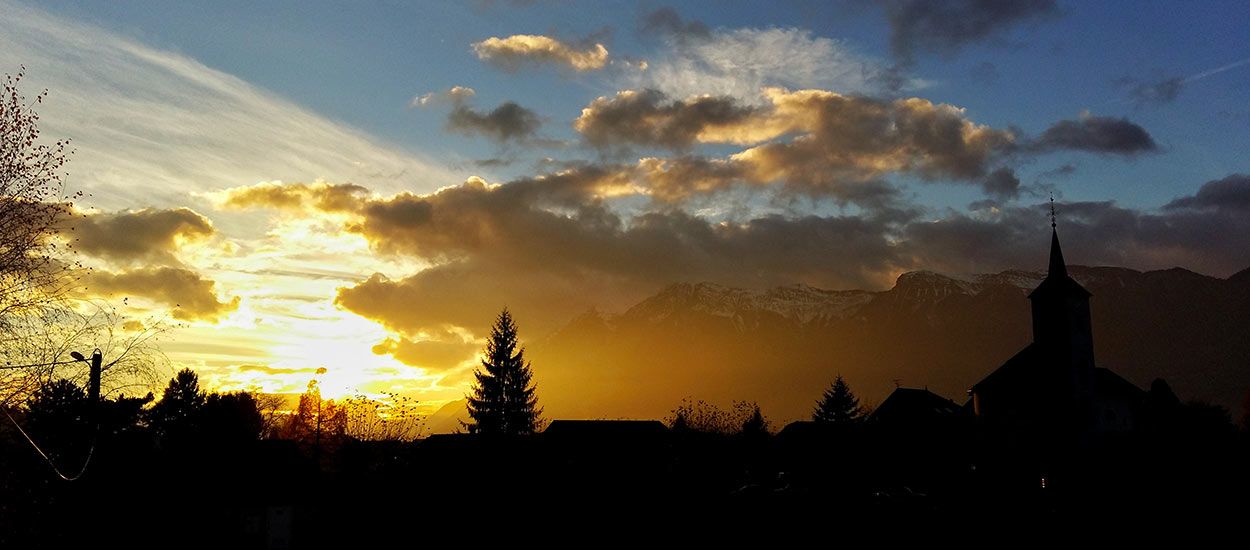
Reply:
x=192, y=296
x=326, y=197
x=517, y=49
x=150, y=235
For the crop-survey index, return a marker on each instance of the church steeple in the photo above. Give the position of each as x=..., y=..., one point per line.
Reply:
x=1061, y=323
x=1058, y=268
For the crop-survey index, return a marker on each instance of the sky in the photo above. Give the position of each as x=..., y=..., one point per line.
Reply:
x=362, y=186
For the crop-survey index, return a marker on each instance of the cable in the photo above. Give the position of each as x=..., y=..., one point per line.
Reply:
x=46, y=458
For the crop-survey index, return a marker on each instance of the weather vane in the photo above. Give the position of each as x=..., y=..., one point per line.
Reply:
x=1052, y=210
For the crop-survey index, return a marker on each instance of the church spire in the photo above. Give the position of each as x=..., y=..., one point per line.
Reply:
x=1057, y=266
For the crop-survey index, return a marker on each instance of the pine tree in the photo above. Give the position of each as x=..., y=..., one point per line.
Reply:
x=503, y=400
x=838, y=405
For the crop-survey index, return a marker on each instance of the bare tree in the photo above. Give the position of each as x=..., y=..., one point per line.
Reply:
x=41, y=319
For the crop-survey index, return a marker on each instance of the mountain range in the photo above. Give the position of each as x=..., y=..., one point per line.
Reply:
x=781, y=347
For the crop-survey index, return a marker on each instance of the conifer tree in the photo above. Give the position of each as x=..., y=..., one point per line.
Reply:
x=503, y=399
x=838, y=405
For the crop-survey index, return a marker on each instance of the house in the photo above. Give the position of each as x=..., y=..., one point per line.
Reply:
x=915, y=408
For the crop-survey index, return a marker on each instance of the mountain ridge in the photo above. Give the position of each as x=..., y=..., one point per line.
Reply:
x=781, y=345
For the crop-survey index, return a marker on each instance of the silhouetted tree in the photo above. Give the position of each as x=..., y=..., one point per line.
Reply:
x=58, y=419
x=42, y=314
x=838, y=405
x=177, y=415
x=231, y=418
x=316, y=422
x=755, y=425
x=703, y=417
x=503, y=400
x=392, y=419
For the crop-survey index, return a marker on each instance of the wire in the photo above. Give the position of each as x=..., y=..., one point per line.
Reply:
x=46, y=458
x=38, y=365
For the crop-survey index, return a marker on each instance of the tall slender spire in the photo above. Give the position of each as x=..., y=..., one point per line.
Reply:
x=1058, y=268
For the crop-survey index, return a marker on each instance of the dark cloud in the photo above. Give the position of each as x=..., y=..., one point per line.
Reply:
x=666, y=22
x=191, y=296
x=1001, y=184
x=648, y=118
x=550, y=247
x=150, y=235
x=507, y=122
x=856, y=138
x=1214, y=239
x=918, y=26
x=495, y=245
x=1096, y=134
x=1230, y=193
x=1156, y=92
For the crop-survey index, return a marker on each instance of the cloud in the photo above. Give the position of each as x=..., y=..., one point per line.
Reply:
x=507, y=122
x=856, y=138
x=1230, y=193
x=327, y=197
x=513, y=52
x=668, y=23
x=154, y=126
x=192, y=296
x=1157, y=92
x=1166, y=90
x=1002, y=184
x=1206, y=235
x=150, y=235
x=543, y=246
x=946, y=27
x=444, y=353
x=1096, y=134
x=550, y=247
x=740, y=62
x=649, y=118
x=454, y=95
x=841, y=141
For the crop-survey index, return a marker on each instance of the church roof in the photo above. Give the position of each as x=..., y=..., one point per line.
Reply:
x=1020, y=366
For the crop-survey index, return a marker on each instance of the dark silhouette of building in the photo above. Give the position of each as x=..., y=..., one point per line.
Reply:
x=915, y=408
x=1053, y=385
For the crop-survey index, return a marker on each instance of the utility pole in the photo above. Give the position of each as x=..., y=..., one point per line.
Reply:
x=93, y=381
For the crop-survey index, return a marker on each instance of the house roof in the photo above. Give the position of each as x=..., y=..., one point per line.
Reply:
x=909, y=404
x=605, y=429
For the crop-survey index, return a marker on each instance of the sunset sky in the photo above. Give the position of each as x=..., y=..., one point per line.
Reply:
x=362, y=186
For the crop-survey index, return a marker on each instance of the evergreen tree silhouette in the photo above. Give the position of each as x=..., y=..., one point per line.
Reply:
x=177, y=414
x=838, y=405
x=503, y=400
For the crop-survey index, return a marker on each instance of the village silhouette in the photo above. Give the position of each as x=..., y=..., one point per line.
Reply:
x=1046, y=434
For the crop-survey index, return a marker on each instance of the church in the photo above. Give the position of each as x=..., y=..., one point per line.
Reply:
x=1053, y=386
